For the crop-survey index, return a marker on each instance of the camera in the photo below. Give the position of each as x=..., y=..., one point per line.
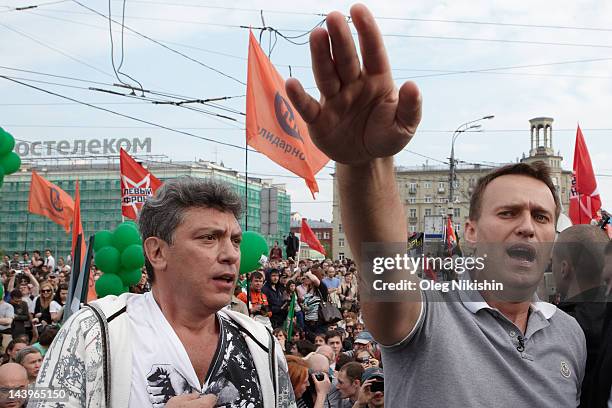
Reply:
x=378, y=386
x=320, y=376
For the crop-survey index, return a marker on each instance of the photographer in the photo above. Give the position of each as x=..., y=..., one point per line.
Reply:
x=319, y=386
x=371, y=394
x=258, y=302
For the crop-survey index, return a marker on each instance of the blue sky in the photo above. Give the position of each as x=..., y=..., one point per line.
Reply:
x=556, y=58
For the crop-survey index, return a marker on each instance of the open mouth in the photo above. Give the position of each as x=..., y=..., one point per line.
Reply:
x=522, y=252
x=229, y=278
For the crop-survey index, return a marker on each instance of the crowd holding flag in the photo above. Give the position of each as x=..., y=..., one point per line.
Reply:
x=50, y=201
x=584, y=197
x=137, y=185
x=273, y=126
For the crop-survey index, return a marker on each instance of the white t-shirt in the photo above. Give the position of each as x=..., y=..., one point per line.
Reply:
x=50, y=263
x=161, y=367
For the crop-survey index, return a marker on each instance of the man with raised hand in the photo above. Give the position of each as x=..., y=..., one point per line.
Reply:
x=441, y=349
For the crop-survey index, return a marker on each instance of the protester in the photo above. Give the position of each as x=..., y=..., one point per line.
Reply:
x=320, y=384
x=577, y=266
x=31, y=359
x=13, y=385
x=292, y=245
x=22, y=324
x=276, y=252
x=275, y=293
x=46, y=310
x=49, y=260
x=14, y=347
x=258, y=301
x=314, y=291
x=7, y=314
x=429, y=333
x=348, y=293
x=298, y=374
x=236, y=304
x=349, y=383
x=281, y=336
x=191, y=239
x=333, y=339
x=45, y=340
x=371, y=394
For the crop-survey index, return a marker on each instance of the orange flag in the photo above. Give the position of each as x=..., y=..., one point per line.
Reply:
x=273, y=126
x=50, y=201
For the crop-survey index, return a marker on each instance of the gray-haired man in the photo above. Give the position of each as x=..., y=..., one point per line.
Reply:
x=175, y=346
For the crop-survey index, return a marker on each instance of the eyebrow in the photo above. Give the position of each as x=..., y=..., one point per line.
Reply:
x=216, y=231
x=518, y=207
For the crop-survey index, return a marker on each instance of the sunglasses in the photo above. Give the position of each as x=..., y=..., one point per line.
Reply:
x=46, y=291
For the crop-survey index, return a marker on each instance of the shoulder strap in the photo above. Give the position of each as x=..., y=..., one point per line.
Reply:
x=105, y=347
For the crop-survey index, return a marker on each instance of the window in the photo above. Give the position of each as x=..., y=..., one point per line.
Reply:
x=318, y=234
x=428, y=199
x=441, y=185
x=443, y=200
x=412, y=186
x=457, y=227
x=326, y=235
x=427, y=184
x=411, y=200
x=456, y=184
x=341, y=242
x=456, y=212
x=413, y=213
x=412, y=228
x=339, y=227
x=428, y=212
x=341, y=255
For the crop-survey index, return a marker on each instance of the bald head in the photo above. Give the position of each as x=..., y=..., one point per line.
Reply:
x=578, y=257
x=317, y=362
x=13, y=375
x=326, y=351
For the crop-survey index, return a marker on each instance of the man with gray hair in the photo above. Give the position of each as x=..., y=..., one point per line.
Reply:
x=31, y=359
x=176, y=346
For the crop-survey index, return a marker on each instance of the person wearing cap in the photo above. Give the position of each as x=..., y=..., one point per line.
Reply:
x=369, y=397
x=363, y=341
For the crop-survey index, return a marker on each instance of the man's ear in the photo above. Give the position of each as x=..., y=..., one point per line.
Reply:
x=156, y=250
x=565, y=270
x=470, y=235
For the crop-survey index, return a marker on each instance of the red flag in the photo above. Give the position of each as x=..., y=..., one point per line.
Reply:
x=451, y=238
x=273, y=126
x=50, y=201
x=137, y=184
x=310, y=238
x=584, y=197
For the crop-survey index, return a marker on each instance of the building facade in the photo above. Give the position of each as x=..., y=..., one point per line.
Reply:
x=268, y=209
x=424, y=190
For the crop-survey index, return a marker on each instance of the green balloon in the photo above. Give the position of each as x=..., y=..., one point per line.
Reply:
x=103, y=239
x=10, y=162
x=131, y=277
x=7, y=142
x=132, y=257
x=125, y=235
x=132, y=223
x=252, y=247
x=109, y=260
x=109, y=284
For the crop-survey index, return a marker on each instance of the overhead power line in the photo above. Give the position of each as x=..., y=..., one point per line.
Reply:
x=162, y=45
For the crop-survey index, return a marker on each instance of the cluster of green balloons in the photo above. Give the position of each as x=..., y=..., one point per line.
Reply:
x=9, y=160
x=120, y=256
x=252, y=247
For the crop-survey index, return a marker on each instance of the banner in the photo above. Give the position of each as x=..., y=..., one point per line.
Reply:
x=137, y=185
x=273, y=127
x=50, y=201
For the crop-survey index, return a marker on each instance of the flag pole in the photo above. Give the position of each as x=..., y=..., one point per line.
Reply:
x=246, y=186
x=25, y=243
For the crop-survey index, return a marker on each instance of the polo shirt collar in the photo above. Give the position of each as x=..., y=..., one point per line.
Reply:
x=473, y=301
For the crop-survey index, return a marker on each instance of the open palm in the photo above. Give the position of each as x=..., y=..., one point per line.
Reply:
x=361, y=115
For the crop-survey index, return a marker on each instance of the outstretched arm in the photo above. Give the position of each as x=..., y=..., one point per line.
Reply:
x=361, y=121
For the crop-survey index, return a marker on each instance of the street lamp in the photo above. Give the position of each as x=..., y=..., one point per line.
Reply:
x=473, y=124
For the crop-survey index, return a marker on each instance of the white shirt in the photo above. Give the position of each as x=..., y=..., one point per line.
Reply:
x=157, y=352
x=50, y=263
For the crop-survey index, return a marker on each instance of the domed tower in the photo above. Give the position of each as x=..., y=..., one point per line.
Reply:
x=541, y=144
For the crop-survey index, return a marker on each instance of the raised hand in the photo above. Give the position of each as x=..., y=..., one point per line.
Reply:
x=361, y=114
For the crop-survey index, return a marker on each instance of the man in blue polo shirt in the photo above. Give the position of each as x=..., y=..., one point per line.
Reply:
x=441, y=349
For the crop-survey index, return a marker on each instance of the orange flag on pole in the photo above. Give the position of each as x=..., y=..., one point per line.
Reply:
x=50, y=201
x=273, y=126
